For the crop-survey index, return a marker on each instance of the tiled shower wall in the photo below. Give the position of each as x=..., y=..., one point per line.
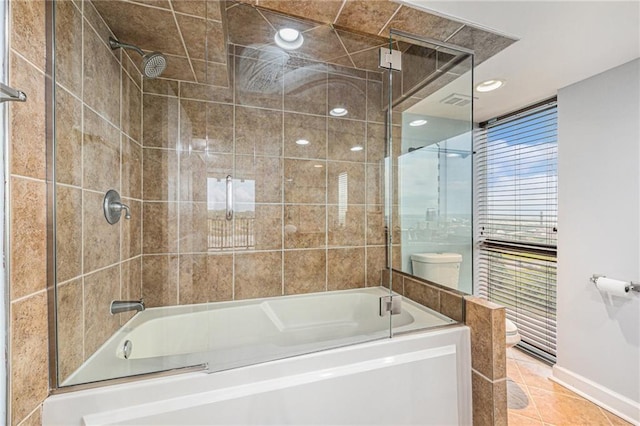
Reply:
x=98, y=101
x=28, y=373
x=316, y=210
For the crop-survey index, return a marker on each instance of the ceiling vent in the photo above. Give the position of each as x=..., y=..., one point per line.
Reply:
x=456, y=99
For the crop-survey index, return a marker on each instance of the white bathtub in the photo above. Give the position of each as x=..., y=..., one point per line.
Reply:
x=414, y=378
x=238, y=333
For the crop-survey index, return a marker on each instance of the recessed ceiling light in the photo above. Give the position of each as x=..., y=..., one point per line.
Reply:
x=317, y=166
x=289, y=39
x=302, y=142
x=338, y=112
x=416, y=123
x=489, y=85
x=357, y=148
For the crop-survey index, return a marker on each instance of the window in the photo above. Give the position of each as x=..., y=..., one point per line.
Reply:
x=516, y=195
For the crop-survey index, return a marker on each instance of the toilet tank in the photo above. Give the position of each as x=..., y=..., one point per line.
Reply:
x=440, y=268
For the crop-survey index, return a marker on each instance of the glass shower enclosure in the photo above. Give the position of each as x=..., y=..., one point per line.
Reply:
x=231, y=210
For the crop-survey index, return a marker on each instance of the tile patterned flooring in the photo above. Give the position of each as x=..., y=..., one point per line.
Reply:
x=533, y=399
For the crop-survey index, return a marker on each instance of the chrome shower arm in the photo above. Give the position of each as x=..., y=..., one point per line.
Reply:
x=115, y=44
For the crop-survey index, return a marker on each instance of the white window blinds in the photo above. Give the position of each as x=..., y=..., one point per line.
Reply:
x=516, y=195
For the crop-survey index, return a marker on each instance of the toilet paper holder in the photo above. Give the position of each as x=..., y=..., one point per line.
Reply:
x=631, y=286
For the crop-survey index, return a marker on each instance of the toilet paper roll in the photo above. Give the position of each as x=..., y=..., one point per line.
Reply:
x=611, y=286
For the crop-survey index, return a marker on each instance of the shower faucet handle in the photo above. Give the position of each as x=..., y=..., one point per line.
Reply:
x=113, y=207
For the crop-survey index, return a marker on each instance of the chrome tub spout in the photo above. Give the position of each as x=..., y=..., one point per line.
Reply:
x=119, y=306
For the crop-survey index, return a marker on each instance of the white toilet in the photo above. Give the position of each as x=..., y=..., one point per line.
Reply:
x=439, y=268
x=444, y=269
x=513, y=337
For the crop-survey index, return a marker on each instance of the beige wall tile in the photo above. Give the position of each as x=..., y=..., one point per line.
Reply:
x=344, y=135
x=205, y=278
x=481, y=316
x=267, y=225
x=28, y=143
x=29, y=355
x=267, y=93
x=345, y=180
x=305, y=90
x=68, y=232
x=205, y=92
x=160, y=86
x=368, y=16
x=375, y=264
x=131, y=243
x=139, y=24
x=100, y=289
x=131, y=111
x=68, y=137
x=305, y=181
x=193, y=173
x=28, y=237
x=194, y=227
x=131, y=168
x=375, y=225
x=70, y=336
x=160, y=230
x=28, y=30
x=305, y=127
x=160, y=115
x=100, y=153
x=206, y=126
x=101, y=241
x=375, y=184
x=484, y=43
x=451, y=305
x=96, y=21
x=346, y=268
x=34, y=419
x=349, y=93
x=258, y=275
x=304, y=226
x=130, y=285
x=422, y=23
x=500, y=414
x=345, y=228
x=325, y=11
x=160, y=169
x=304, y=271
x=258, y=131
x=68, y=47
x=101, y=74
x=160, y=280
x=482, y=396
x=424, y=294
x=266, y=174
x=131, y=68
x=131, y=279
x=376, y=142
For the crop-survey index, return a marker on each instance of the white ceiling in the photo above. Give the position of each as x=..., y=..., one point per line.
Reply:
x=560, y=43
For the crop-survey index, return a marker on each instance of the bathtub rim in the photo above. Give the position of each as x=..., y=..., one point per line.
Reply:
x=133, y=378
x=455, y=332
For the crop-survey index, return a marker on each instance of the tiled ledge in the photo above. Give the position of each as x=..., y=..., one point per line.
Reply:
x=488, y=351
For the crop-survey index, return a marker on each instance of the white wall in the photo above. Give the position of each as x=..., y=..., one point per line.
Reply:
x=599, y=232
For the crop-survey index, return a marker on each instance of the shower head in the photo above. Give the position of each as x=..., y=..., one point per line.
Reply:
x=152, y=63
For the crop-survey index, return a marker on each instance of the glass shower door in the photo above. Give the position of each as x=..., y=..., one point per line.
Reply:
x=428, y=193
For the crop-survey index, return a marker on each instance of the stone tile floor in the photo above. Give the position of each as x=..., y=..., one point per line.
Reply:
x=533, y=399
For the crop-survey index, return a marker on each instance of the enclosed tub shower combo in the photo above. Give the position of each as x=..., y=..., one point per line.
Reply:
x=231, y=187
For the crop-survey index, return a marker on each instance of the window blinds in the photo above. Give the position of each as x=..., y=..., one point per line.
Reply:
x=516, y=195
